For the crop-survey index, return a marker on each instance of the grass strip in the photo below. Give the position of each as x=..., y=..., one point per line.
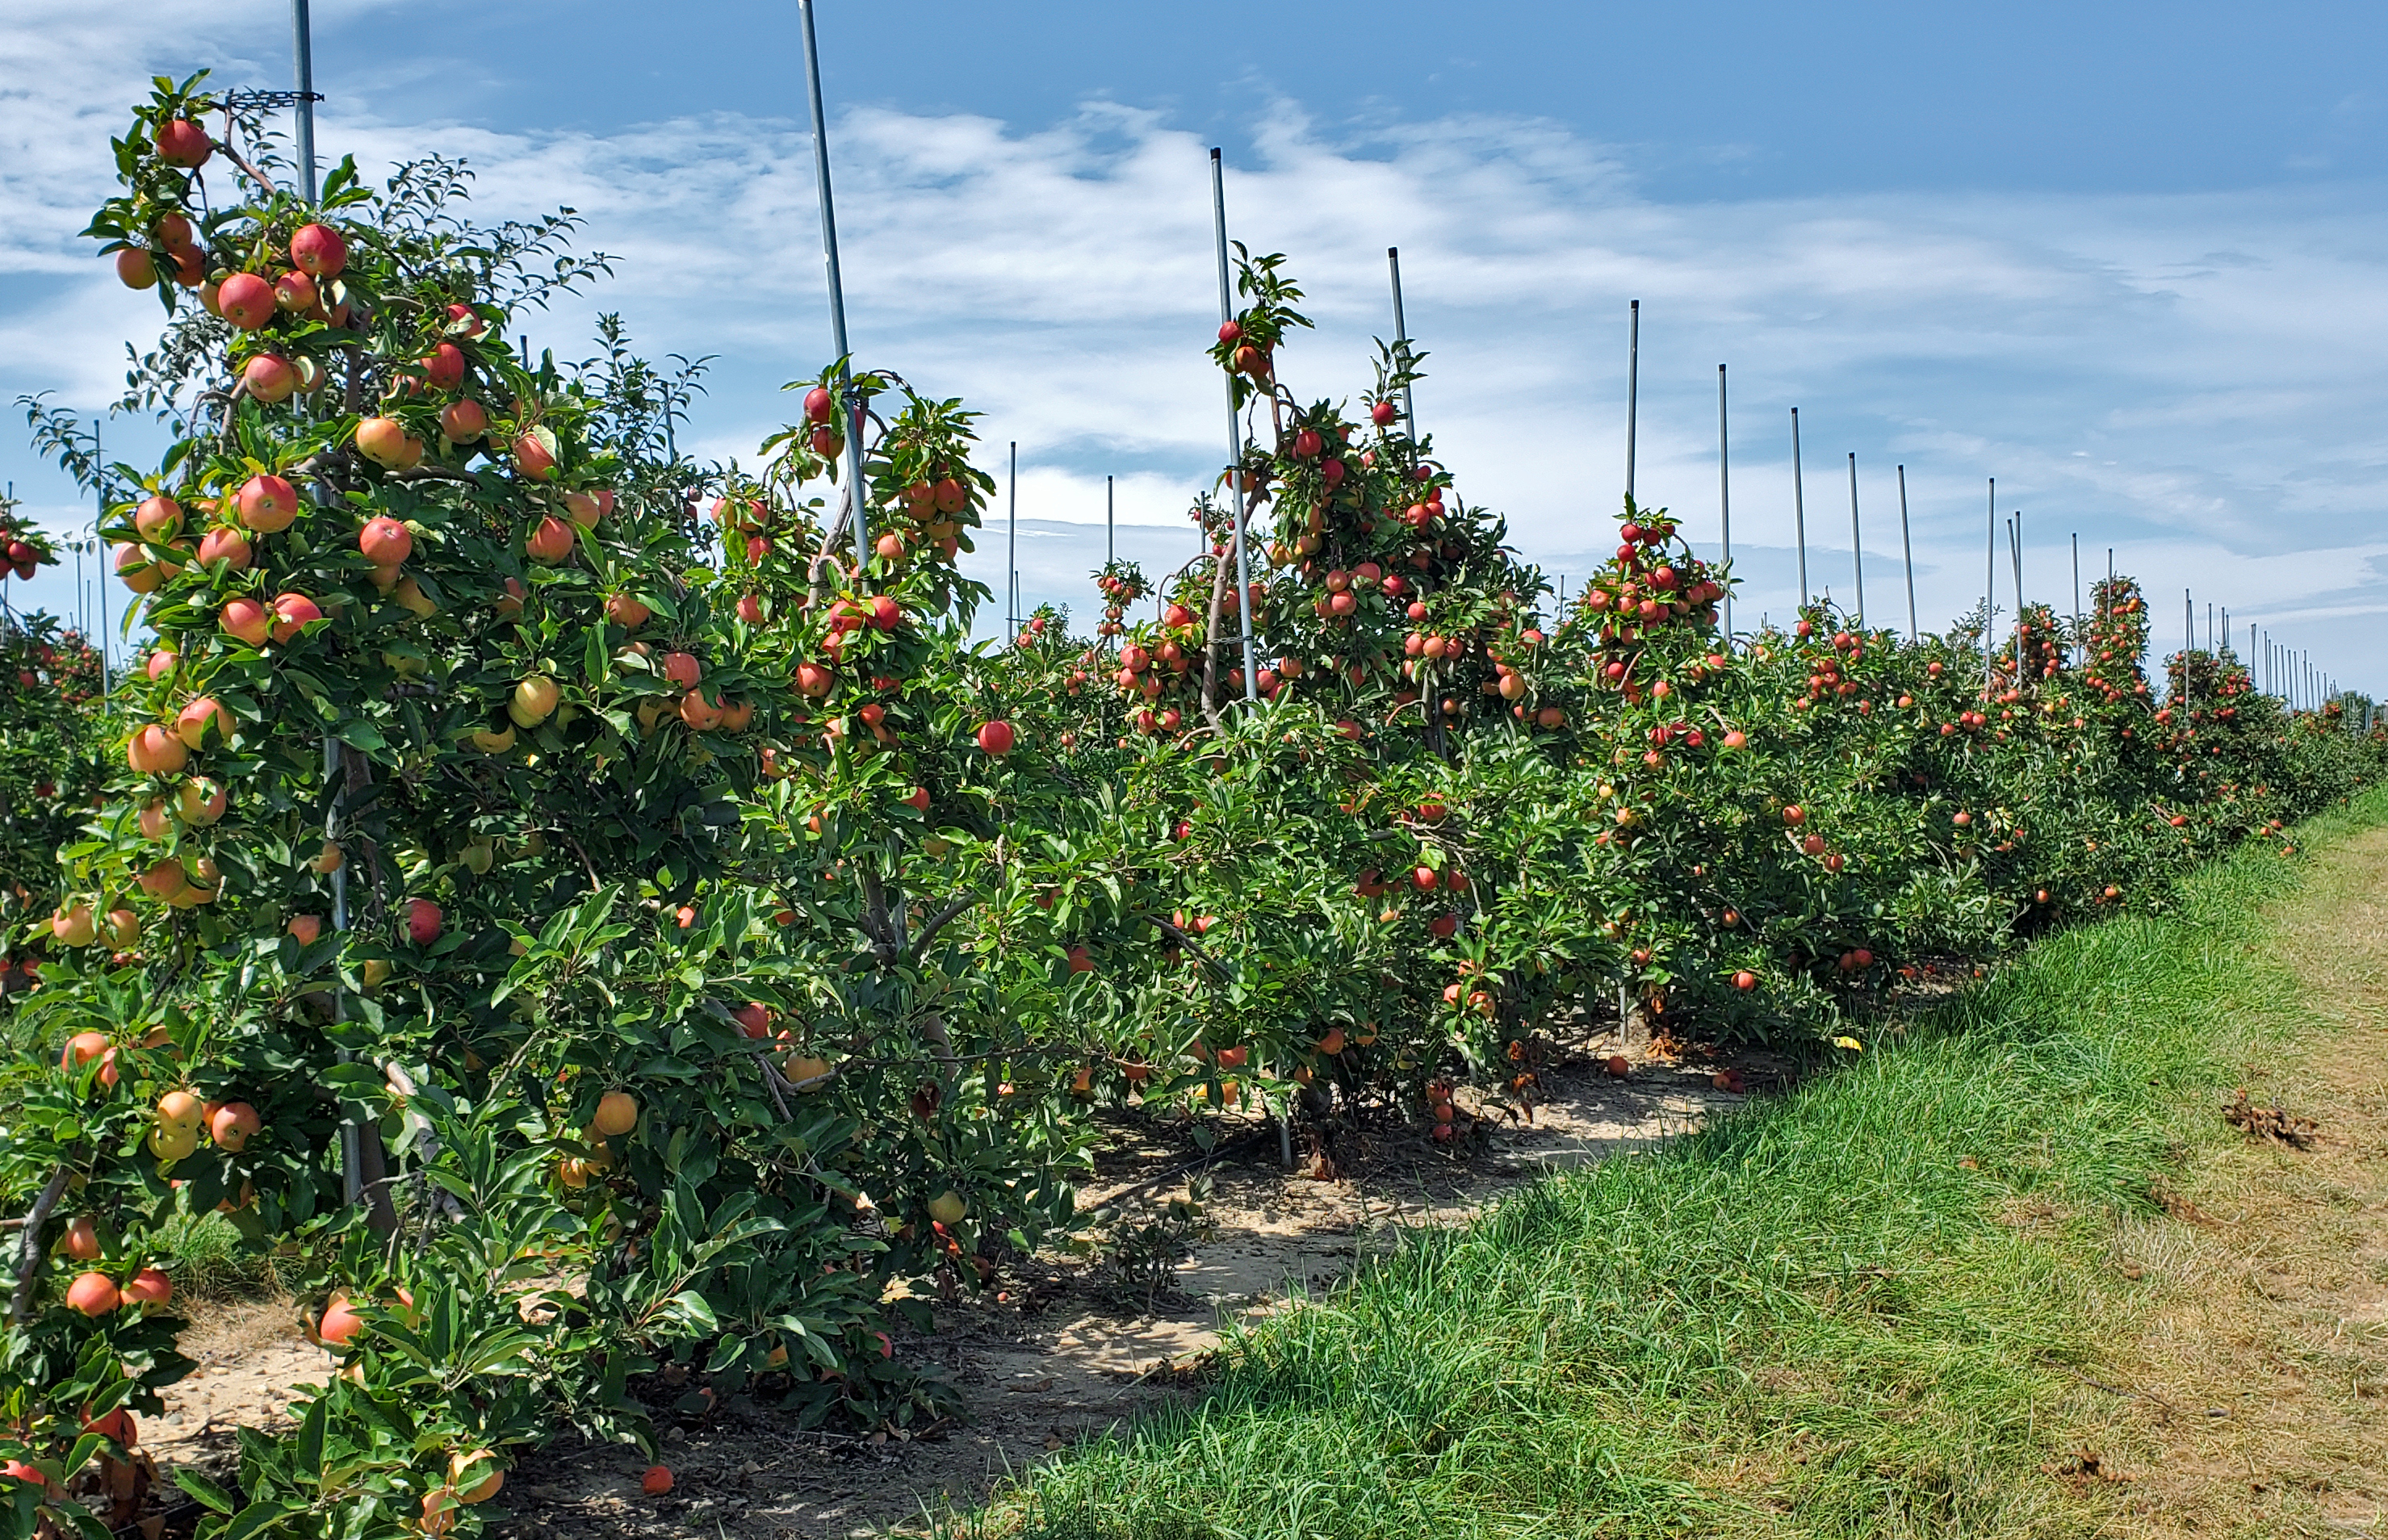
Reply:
x=1868, y=1307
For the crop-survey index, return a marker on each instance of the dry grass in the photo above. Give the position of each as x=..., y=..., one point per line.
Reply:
x=2257, y=1395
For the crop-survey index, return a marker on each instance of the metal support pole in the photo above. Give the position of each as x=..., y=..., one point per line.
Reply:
x=303, y=53
x=2078, y=642
x=1110, y=525
x=2014, y=550
x=1990, y=591
x=98, y=546
x=1401, y=341
x=851, y=398
x=1857, y=539
x=1907, y=554
x=1235, y=434
x=1724, y=498
x=1632, y=385
x=1798, y=508
x=1012, y=561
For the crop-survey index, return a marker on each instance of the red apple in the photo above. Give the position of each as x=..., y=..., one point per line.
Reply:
x=551, y=542
x=422, y=918
x=268, y=377
x=227, y=544
x=318, y=250
x=135, y=267
x=463, y=422
x=443, y=367
x=191, y=724
x=535, y=454
x=385, y=541
x=246, y=620
x=183, y=142
x=291, y=612
x=246, y=300
x=386, y=442
x=268, y=504
x=997, y=739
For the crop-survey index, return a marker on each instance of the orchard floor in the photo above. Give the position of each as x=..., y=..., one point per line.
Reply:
x=1070, y=1352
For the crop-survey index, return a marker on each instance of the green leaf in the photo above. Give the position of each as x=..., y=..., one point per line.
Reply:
x=205, y=1492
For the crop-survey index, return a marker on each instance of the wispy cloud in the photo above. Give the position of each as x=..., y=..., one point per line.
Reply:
x=2196, y=380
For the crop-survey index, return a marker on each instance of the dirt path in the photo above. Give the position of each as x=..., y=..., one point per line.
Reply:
x=1070, y=1352
x=2255, y=1402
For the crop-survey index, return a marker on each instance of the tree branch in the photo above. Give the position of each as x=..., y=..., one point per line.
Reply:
x=937, y=922
x=1174, y=933
x=29, y=1256
x=436, y=473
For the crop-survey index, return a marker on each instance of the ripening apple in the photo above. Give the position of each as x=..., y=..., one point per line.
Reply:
x=626, y=612
x=121, y=928
x=234, y=1124
x=409, y=596
x=75, y=926
x=296, y=293
x=618, y=1114
x=290, y=612
x=308, y=929
x=385, y=541
x=154, y=750
x=94, y=1294
x=151, y=1289
x=227, y=544
x=533, y=701
x=268, y=504
x=140, y=571
x=339, y=1324
x=463, y=422
x=198, y=715
x=268, y=377
x=550, y=542
x=443, y=367
x=136, y=269
x=246, y=300
x=183, y=142
x=386, y=442
x=244, y=619
x=423, y=921
x=318, y=251
x=682, y=669
x=584, y=508
x=200, y=801
x=535, y=454
x=159, y=519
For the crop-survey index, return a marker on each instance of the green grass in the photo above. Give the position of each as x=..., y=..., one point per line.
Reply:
x=1854, y=1310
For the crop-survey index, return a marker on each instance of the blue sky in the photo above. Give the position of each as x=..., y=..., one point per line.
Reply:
x=2131, y=259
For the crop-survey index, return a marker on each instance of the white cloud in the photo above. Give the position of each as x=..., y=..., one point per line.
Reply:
x=2194, y=379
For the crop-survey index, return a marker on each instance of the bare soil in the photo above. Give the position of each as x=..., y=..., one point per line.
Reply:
x=1068, y=1352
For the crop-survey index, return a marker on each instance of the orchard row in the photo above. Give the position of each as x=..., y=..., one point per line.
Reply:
x=607, y=935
